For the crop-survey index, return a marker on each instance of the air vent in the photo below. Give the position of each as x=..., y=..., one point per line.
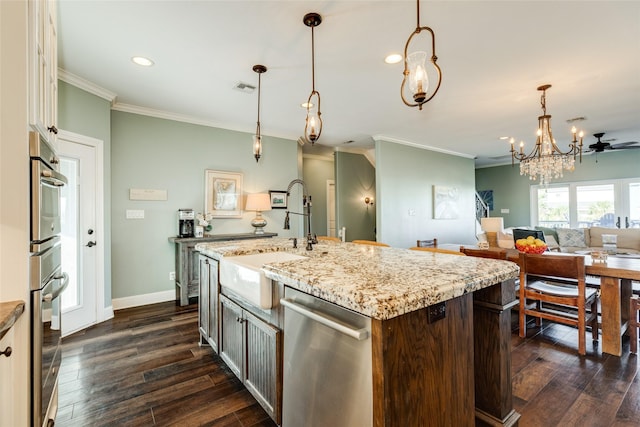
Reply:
x=244, y=87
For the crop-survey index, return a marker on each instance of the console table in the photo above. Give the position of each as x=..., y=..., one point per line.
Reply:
x=187, y=268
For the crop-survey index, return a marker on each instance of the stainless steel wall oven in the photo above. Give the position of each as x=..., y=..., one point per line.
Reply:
x=47, y=281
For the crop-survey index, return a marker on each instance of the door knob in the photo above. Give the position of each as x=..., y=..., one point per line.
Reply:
x=90, y=244
x=90, y=231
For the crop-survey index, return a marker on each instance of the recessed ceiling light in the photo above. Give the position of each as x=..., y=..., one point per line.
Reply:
x=141, y=60
x=394, y=58
x=307, y=105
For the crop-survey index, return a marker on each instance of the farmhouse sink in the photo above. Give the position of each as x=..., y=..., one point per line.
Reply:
x=243, y=275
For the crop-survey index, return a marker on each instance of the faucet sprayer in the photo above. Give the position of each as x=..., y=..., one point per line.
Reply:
x=306, y=204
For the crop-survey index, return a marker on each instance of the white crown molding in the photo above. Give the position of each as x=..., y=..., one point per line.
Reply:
x=167, y=115
x=424, y=147
x=86, y=85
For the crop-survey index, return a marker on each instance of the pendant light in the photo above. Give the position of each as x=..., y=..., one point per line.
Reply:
x=313, y=124
x=415, y=70
x=257, y=138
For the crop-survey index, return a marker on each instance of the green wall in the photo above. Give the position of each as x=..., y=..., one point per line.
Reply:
x=405, y=178
x=316, y=172
x=152, y=153
x=511, y=191
x=89, y=115
x=355, y=179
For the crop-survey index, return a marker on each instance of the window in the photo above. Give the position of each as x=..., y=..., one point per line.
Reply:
x=587, y=204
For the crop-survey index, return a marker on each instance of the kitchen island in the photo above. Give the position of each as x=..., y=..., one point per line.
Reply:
x=440, y=325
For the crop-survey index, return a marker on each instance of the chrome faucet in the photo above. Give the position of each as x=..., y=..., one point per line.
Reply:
x=306, y=204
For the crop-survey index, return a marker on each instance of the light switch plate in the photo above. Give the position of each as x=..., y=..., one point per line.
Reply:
x=134, y=214
x=504, y=211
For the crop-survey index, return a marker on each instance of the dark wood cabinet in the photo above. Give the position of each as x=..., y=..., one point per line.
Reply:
x=187, y=264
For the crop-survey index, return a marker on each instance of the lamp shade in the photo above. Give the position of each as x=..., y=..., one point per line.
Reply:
x=259, y=202
x=493, y=224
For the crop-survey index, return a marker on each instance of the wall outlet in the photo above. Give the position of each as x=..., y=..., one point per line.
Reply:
x=172, y=275
x=506, y=211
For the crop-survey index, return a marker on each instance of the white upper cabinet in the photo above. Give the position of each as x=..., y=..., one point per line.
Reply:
x=43, y=68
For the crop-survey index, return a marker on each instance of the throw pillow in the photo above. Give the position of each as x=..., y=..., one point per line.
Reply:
x=551, y=242
x=571, y=237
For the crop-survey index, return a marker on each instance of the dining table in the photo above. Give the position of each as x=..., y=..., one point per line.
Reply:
x=616, y=276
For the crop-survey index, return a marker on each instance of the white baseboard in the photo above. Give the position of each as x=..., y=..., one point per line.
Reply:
x=107, y=313
x=138, y=300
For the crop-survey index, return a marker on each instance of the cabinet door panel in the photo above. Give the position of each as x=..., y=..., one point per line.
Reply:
x=263, y=364
x=213, y=303
x=232, y=336
x=204, y=302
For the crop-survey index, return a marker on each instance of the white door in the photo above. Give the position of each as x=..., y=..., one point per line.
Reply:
x=331, y=208
x=82, y=238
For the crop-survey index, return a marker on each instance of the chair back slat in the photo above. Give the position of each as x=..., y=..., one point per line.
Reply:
x=568, y=266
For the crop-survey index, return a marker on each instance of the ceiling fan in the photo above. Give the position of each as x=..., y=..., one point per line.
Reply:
x=600, y=146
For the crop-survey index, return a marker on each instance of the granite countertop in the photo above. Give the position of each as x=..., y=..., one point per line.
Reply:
x=9, y=313
x=378, y=282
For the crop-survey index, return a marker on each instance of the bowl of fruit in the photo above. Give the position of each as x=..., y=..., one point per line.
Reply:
x=531, y=245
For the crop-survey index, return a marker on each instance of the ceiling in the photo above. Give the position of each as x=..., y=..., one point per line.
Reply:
x=493, y=56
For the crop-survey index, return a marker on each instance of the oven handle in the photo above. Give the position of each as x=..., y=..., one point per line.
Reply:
x=54, y=178
x=55, y=294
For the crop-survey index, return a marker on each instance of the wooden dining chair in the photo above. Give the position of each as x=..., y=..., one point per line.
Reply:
x=329, y=238
x=634, y=324
x=556, y=287
x=436, y=250
x=429, y=243
x=369, y=242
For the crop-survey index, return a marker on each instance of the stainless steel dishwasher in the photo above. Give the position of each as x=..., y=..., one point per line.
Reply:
x=327, y=364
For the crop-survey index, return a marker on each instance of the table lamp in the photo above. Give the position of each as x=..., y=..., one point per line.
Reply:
x=258, y=202
x=491, y=226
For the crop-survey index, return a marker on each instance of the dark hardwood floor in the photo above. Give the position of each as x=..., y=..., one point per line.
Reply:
x=145, y=368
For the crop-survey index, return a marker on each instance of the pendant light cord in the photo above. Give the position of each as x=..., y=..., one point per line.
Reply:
x=259, y=90
x=313, y=63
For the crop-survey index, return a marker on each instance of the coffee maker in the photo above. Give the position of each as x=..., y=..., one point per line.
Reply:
x=186, y=222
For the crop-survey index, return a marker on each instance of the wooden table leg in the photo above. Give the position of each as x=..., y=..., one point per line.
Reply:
x=615, y=313
x=492, y=351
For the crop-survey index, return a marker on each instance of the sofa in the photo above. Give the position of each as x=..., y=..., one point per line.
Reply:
x=590, y=239
x=572, y=240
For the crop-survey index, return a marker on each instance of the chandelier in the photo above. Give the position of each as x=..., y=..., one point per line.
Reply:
x=415, y=71
x=257, y=138
x=313, y=124
x=546, y=160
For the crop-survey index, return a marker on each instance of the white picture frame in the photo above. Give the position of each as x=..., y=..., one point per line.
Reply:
x=223, y=194
x=445, y=202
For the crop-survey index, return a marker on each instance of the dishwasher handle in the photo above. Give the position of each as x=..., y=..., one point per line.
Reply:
x=358, y=334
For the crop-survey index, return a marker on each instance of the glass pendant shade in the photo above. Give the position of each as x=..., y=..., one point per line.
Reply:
x=313, y=125
x=257, y=146
x=418, y=78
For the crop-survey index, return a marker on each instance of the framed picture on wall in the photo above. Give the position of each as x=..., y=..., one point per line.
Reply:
x=223, y=194
x=278, y=199
x=445, y=202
